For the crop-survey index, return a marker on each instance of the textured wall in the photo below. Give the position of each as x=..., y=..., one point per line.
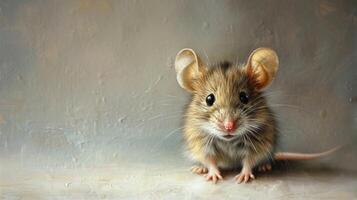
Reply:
x=91, y=83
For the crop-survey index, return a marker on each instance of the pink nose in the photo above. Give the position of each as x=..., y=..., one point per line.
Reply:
x=229, y=126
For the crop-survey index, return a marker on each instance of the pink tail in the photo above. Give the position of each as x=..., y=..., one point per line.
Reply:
x=303, y=156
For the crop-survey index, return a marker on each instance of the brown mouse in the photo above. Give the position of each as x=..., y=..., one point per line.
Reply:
x=228, y=123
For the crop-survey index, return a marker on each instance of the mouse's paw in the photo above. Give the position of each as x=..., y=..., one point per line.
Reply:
x=244, y=176
x=264, y=167
x=199, y=170
x=213, y=175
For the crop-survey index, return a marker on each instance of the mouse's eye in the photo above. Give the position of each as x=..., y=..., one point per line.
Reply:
x=210, y=100
x=243, y=97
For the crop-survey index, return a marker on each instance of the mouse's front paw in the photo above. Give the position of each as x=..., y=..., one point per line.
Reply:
x=213, y=175
x=244, y=176
x=199, y=170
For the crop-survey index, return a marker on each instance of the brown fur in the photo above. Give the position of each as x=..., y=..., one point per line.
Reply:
x=225, y=81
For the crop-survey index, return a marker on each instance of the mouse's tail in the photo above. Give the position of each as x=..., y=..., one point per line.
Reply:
x=303, y=156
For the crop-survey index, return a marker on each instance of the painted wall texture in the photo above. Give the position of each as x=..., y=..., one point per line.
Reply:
x=91, y=83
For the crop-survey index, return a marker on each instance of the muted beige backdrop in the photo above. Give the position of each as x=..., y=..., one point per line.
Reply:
x=90, y=83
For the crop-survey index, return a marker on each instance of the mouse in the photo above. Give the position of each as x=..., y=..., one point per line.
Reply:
x=228, y=123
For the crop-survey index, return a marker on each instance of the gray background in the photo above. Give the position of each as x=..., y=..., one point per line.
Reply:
x=91, y=83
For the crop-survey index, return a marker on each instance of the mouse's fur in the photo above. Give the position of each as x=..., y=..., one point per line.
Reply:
x=253, y=140
x=256, y=133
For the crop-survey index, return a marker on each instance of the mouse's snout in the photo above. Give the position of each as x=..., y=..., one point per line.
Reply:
x=229, y=126
x=228, y=122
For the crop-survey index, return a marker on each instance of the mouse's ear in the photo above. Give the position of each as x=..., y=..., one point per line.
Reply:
x=188, y=69
x=262, y=66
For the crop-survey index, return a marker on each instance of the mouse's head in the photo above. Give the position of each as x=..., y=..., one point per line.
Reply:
x=227, y=99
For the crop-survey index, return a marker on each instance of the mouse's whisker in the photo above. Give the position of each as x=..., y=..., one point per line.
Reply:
x=168, y=117
x=257, y=109
x=292, y=107
x=278, y=129
x=279, y=105
x=256, y=137
x=248, y=109
x=256, y=127
x=251, y=142
x=204, y=51
x=175, y=97
x=256, y=120
x=287, y=105
x=209, y=141
x=166, y=137
x=244, y=139
x=159, y=117
x=283, y=95
x=277, y=92
x=272, y=93
x=176, y=113
x=168, y=104
x=288, y=96
x=170, y=101
x=252, y=130
x=257, y=100
x=252, y=108
x=172, y=132
x=261, y=141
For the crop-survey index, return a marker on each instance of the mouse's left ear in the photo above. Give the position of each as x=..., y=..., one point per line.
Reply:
x=262, y=66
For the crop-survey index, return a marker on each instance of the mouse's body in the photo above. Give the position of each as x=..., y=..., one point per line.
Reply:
x=228, y=122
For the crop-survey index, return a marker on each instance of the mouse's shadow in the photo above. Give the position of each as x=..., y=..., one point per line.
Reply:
x=283, y=169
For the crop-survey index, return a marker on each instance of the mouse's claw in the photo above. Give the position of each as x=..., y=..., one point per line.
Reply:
x=264, y=167
x=244, y=176
x=213, y=175
x=199, y=170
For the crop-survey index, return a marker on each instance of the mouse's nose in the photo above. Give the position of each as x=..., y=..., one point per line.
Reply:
x=229, y=126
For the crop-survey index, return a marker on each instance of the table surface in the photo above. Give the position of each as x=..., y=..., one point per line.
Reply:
x=135, y=181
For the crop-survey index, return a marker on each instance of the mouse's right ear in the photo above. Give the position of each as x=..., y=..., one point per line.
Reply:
x=188, y=69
